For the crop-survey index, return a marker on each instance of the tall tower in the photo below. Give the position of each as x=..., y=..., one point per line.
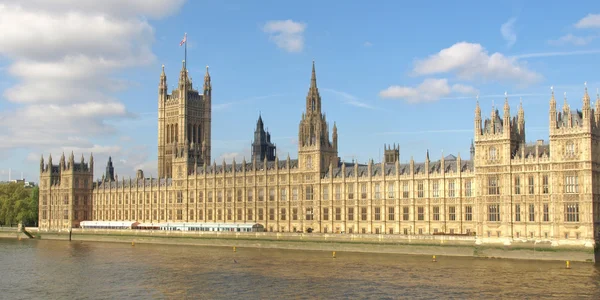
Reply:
x=184, y=122
x=315, y=150
x=495, y=144
x=109, y=175
x=261, y=146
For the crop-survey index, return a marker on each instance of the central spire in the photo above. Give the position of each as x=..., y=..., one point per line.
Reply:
x=313, y=99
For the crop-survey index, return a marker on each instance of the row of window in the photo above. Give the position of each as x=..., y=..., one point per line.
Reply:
x=571, y=185
x=571, y=214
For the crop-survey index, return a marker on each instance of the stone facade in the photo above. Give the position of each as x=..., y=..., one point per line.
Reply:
x=507, y=190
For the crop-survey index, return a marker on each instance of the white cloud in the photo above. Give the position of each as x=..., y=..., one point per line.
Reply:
x=589, y=21
x=368, y=44
x=573, y=39
x=471, y=61
x=508, y=32
x=286, y=34
x=64, y=56
x=429, y=90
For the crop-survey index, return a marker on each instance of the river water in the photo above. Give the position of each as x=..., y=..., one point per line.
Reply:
x=44, y=269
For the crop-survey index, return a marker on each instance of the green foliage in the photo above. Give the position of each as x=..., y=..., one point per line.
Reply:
x=18, y=204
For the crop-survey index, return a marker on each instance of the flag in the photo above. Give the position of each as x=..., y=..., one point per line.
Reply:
x=184, y=39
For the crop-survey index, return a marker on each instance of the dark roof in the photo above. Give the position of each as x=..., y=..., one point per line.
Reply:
x=218, y=168
x=135, y=183
x=389, y=169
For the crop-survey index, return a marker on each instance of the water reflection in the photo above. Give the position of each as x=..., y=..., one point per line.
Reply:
x=67, y=270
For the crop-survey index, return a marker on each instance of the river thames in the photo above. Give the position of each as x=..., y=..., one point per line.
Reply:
x=40, y=269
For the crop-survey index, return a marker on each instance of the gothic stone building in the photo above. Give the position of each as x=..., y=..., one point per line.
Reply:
x=507, y=190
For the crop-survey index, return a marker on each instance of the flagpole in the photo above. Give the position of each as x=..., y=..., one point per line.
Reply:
x=185, y=52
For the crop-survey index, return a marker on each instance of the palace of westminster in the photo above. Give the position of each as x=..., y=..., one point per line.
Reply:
x=506, y=189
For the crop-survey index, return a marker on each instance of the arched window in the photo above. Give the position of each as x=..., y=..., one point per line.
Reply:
x=493, y=153
x=309, y=162
x=313, y=105
x=570, y=149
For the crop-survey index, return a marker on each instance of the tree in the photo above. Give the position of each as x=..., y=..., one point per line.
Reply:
x=18, y=204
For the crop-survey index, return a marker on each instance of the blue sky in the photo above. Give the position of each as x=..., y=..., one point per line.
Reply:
x=395, y=72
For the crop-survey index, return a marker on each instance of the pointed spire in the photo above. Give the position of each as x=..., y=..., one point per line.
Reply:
x=565, y=105
x=207, y=85
x=477, y=109
x=586, y=98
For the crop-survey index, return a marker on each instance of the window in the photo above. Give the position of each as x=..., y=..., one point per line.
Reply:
x=210, y=196
x=261, y=195
x=309, y=213
x=572, y=212
x=363, y=191
x=390, y=191
x=436, y=213
x=309, y=193
x=219, y=214
x=517, y=185
x=338, y=214
x=209, y=215
x=179, y=198
x=405, y=213
x=570, y=149
x=249, y=214
x=295, y=194
x=391, y=213
x=271, y=214
x=493, y=153
x=338, y=192
x=468, y=188
x=405, y=190
x=239, y=195
x=350, y=214
x=517, y=212
x=436, y=189
x=545, y=189
x=200, y=197
x=260, y=214
x=249, y=195
x=309, y=159
x=493, y=188
x=377, y=192
x=325, y=214
x=350, y=191
x=240, y=213
x=452, y=213
x=451, y=189
x=220, y=196
x=230, y=196
x=546, y=212
x=282, y=214
x=420, y=189
x=294, y=214
x=377, y=213
x=531, y=186
x=283, y=195
x=420, y=213
x=468, y=213
x=179, y=214
x=571, y=184
x=363, y=213
x=494, y=213
x=531, y=212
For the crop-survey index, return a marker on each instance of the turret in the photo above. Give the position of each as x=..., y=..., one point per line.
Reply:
x=521, y=121
x=477, y=118
x=207, y=86
x=162, y=85
x=597, y=109
x=42, y=163
x=552, y=117
x=335, y=136
x=62, y=162
x=586, y=109
x=71, y=160
x=183, y=79
x=472, y=151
